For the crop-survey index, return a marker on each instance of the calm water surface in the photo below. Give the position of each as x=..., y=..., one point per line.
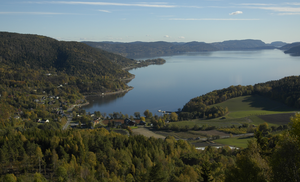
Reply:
x=183, y=77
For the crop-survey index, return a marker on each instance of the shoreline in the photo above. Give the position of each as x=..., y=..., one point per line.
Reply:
x=110, y=93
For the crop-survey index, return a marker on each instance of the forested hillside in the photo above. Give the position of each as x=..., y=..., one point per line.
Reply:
x=40, y=77
x=289, y=46
x=95, y=70
x=294, y=51
x=285, y=90
x=31, y=154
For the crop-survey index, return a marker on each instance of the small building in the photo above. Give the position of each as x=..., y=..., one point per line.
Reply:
x=129, y=122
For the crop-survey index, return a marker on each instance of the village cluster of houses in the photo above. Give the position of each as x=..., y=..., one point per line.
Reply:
x=42, y=121
x=127, y=122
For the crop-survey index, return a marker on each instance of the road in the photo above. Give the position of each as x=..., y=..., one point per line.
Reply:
x=69, y=117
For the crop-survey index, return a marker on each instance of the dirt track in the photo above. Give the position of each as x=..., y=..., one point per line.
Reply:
x=146, y=132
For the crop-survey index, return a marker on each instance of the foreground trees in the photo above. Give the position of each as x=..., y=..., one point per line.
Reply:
x=270, y=158
x=97, y=155
x=100, y=155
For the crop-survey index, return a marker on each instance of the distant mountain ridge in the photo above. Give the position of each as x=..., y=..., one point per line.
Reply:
x=278, y=44
x=161, y=48
x=144, y=49
x=240, y=44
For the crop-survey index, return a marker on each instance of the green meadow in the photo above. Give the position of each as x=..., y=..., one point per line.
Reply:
x=235, y=142
x=245, y=109
x=253, y=105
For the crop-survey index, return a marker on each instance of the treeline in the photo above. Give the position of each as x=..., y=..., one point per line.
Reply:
x=200, y=106
x=285, y=90
x=97, y=155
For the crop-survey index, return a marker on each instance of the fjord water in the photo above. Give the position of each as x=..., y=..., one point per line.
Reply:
x=168, y=87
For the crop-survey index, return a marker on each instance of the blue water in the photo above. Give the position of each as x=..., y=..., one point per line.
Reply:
x=183, y=77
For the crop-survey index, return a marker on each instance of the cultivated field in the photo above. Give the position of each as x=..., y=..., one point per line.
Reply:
x=234, y=141
x=192, y=134
x=254, y=105
x=147, y=132
x=279, y=119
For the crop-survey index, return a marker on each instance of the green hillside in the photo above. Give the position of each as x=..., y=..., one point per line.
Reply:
x=99, y=71
x=40, y=77
x=285, y=90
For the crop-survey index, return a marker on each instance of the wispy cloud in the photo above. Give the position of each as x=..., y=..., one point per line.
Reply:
x=181, y=37
x=105, y=11
x=32, y=13
x=236, y=13
x=296, y=4
x=211, y=19
x=255, y=4
x=166, y=36
x=289, y=14
x=280, y=9
x=292, y=9
x=150, y=5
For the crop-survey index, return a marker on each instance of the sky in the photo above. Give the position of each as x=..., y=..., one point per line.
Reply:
x=172, y=21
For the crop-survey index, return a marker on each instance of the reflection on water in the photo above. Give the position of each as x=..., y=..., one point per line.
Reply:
x=96, y=101
x=183, y=77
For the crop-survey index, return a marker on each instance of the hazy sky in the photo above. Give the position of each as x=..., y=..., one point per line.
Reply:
x=172, y=21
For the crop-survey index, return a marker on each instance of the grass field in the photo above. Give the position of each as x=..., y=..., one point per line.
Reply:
x=246, y=109
x=236, y=142
x=253, y=102
x=254, y=110
x=253, y=105
x=218, y=122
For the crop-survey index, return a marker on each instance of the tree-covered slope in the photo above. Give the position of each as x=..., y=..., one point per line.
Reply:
x=74, y=58
x=39, y=75
x=289, y=46
x=295, y=51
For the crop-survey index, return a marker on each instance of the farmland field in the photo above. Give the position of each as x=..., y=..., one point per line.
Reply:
x=237, y=142
x=279, y=119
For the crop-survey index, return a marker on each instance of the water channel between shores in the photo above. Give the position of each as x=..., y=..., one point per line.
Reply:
x=169, y=86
